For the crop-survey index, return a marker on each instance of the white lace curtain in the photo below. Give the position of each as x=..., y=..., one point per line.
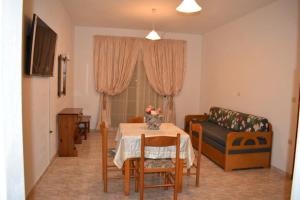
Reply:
x=114, y=62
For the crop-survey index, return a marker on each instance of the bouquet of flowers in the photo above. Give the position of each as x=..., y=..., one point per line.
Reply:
x=153, y=117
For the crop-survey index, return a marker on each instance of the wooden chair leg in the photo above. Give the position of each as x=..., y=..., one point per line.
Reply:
x=198, y=170
x=103, y=166
x=105, y=180
x=141, y=184
x=136, y=175
x=165, y=180
x=123, y=170
x=179, y=178
x=176, y=186
x=85, y=131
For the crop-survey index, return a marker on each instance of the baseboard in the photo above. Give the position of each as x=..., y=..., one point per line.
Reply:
x=46, y=170
x=281, y=172
x=94, y=130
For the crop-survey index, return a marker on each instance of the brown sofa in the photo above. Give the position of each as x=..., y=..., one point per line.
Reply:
x=234, y=140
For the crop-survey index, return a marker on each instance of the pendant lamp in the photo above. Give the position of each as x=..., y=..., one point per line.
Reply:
x=153, y=35
x=188, y=6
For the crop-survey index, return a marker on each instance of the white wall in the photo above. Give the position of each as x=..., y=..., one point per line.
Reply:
x=11, y=142
x=249, y=65
x=40, y=100
x=85, y=96
x=296, y=178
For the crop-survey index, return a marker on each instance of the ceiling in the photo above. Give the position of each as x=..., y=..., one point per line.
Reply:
x=137, y=14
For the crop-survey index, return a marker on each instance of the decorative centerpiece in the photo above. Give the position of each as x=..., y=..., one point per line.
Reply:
x=153, y=118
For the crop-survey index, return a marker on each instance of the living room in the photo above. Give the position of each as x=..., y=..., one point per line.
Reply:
x=240, y=55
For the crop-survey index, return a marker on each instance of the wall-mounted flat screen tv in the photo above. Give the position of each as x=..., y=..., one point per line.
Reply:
x=41, y=49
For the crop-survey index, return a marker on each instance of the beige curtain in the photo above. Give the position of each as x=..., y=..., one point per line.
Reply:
x=165, y=64
x=114, y=62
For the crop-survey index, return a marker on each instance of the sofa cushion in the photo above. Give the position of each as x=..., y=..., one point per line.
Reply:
x=214, y=132
x=213, y=143
x=237, y=121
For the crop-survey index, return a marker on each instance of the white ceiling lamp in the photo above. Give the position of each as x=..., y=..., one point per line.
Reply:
x=153, y=35
x=188, y=6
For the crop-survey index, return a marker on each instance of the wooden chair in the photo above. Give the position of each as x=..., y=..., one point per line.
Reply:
x=84, y=125
x=137, y=119
x=134, y=161
x=107, y=153
x=164, y=166
x=196, y=138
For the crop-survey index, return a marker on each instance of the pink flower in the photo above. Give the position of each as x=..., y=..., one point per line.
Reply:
x=148, y=110
x=158, y=110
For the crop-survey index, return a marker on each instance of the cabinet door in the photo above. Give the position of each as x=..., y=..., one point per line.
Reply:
x=67, y=127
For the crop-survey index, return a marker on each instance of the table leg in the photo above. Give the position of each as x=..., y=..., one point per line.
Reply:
x=181, y=163
x=127, y=177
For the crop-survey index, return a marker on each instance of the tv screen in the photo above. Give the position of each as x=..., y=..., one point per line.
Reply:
x=41, y=49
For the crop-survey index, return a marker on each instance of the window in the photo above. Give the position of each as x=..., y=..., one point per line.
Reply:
x=134, y=100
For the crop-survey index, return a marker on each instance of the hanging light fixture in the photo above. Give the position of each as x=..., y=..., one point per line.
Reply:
x=188, y=6
x=153, y=35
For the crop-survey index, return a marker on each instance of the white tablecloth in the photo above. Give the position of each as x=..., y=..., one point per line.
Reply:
x=129, y=143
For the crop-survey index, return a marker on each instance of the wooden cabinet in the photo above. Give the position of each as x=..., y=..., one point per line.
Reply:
x=68, y=131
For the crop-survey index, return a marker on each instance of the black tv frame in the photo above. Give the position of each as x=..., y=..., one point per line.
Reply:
x=30, y=47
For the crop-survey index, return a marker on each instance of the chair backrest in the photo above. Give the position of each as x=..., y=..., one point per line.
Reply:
x=160, y=141
x=138, y=119
x=196, y=135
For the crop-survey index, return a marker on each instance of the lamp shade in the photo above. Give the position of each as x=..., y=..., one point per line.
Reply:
x=188, y=6
x=153, y=35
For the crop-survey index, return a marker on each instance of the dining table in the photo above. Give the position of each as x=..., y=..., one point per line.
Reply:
x=128, y=140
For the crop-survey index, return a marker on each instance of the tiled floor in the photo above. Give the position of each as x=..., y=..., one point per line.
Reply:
x=80, y=178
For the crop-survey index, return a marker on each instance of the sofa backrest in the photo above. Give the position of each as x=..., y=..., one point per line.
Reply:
x=237, y=121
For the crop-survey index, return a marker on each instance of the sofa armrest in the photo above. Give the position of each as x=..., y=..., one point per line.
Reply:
x=248, y=140
x=189, y=118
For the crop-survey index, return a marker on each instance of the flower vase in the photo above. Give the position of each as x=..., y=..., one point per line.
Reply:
x=153, y=121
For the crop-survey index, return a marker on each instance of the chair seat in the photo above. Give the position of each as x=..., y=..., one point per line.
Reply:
x=81, y=126
x=111, y=152
x=85, y=119
x=159, y=163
